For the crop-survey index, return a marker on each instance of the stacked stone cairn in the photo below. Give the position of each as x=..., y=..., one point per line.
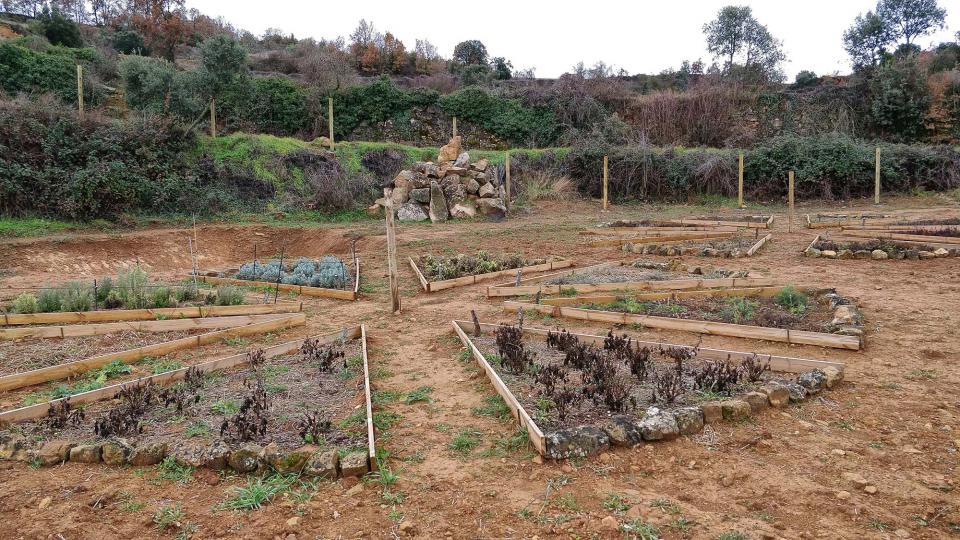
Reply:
x=453, y=187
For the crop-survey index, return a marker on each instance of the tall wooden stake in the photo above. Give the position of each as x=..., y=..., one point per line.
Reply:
x=330, y=119
x=193, y=258
x=80, y=90
x=507, y=164
x=605, y=170
x=790, y=201
x=213, y=117
x=740, y=183
x=392, y=257
x=454, y=126
x=276, y=292
x=876, y=184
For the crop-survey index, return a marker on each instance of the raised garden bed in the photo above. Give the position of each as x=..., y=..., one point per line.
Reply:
x=831, y=220
x=663, y=237
x=727, y=247
x=22, y=379
x=783, y=314
x=712, y=221
x=439, y=273
x=877, y=249
x=620, y=276
x=579, y=394
x=327, y=277
x=299, y=407
x=73, y=317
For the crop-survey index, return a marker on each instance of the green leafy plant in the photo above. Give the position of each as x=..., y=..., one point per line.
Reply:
x=465, y=442
x=792, y=300
x=419, y=395
x=25, y=303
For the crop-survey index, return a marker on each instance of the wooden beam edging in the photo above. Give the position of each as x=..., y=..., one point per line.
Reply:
x=784, y=364
x=554, y=275
x=17, y=319
x=798, y=337
x=433, y=286
x=168, y=325
x=653, y=230
x=371, y=440
x=930, y=239
x=39, y=410
x=753, y=292
x=416, y=270
x=534, y=433
x=649, y=285
x=724, y=223
x=304, y=290
x=908, y=244
x=78, y=367
x=756, y=247
x=662, y=239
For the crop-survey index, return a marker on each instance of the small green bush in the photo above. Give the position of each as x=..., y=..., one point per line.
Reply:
x=132, y=286
x=792, y=300
x=77, y=297
x=161, y=297
x=25, y=303
x=228, y=295
x=50, y=301
x=113, y=300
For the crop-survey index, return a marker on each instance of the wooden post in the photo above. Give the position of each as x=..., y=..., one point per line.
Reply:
x=876, y=185
x=790, y=201
x=276, y=292
x=454, y=126
x=80, y=90
x=605, y=169
x=507, y=190
x=330, y=119
x=740, y=183
x=213, y=117
x=392, y=257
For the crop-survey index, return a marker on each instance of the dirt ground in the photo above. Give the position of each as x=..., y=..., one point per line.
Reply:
x=896, y=422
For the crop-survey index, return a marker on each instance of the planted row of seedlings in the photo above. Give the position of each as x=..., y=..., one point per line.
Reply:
x=130, y=290
x=877, y=249
x=583, y=397
x=438, y=272
x=304, y=411
x=328, y=277
x=780, y=313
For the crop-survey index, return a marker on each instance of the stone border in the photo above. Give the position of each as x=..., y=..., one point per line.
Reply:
x=308, y=459
x=670, y=250
x=908, y=252
x=656, y=424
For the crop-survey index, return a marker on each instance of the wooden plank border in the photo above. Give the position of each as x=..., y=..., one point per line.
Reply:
x=78, y=367
x=434, y=286
x=304, y=290
x=756, y=247
x=765, y=224
x=661, y=239
x=798, y=337
x=534, y=433
x=16, y=319
x=39, y=410
x=904, y=237
x=371, y=439
x=650, y=285
x=96, y=329
x=654, y=230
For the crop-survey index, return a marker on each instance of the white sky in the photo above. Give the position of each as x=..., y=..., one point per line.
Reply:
x=640, y=36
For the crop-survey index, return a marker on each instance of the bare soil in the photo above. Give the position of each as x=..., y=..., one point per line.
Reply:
x=894, y=422
x=621, y=274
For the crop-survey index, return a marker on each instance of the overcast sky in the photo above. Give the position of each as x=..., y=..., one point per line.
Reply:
x=552, y=36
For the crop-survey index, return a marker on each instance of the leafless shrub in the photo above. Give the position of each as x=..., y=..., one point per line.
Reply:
x=60, y=414
x=313, y=426
x=251, y=420
x=753, y=368
x=716, y=377
x=124, y=419
x=515, y=358
x=323, y=356
x=667, y=386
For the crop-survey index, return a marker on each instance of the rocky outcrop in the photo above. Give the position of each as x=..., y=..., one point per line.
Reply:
x=453, y=187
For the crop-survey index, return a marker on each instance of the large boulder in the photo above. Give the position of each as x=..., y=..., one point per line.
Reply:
x=245, y=459
x=450, y=151
x=354, y=464
x=400, y=195
x=463, y=160
x=480, y=165
x=412, y=212
x=623, y=431
x=487, y=191
x=116, y=452
x=465, y=209
x=403, y=179
x=420, y=195
x=689, y=420
x=492, y=208
x=323, y=464
x=735, y=409
x=425, y=168
x=148, y=454
x=472, y=186
x=87, y=453
x=54, y=452
x=438, y=204
x=453, y=191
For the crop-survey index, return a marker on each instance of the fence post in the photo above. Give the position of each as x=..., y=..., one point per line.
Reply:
x=213, y=117
x=507, y=164
x=330, y=119
x=605, y=192
x=80, y=90
x=454, y=126
x=392, y=257
x=790, y=201
x=740, y=183
x=876, y=184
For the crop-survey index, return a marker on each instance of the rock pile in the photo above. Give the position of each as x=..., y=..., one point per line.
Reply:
x=453, y=187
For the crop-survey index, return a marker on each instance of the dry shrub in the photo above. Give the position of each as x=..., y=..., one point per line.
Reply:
x=709, y=116
x=542, y=186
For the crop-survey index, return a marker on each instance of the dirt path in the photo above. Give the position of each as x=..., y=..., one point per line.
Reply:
x=778, y=476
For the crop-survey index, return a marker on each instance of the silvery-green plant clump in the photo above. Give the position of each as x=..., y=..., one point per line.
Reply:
x=329, y=272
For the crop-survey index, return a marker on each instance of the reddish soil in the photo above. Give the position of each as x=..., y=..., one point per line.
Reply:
x=895, y=422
